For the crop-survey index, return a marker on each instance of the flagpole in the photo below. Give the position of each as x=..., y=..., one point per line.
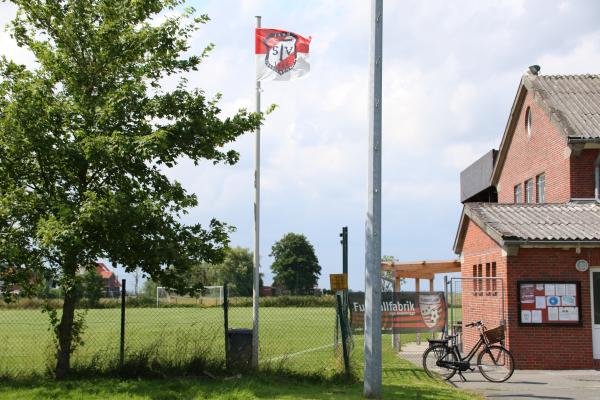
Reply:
x=372, y=338
x=256, y=287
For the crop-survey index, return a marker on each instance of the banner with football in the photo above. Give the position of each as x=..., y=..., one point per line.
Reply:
x=280, y=55
x=402, y=312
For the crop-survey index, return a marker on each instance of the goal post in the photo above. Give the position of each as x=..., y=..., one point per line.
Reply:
x=208, y=296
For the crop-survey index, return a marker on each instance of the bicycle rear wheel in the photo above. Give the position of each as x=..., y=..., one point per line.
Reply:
x=431, y=359
x=496, y=363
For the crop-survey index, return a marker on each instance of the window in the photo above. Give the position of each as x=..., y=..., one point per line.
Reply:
x=597, y=172
x=518, y=193
x=488, y=281
x=529, y=191
x=494, y=281
x=541, y=186
x=528, y=121
x=477, y=280
x=480, y=280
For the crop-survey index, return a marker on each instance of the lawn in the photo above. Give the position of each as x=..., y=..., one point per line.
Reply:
x=401, y=380
x=301, y=338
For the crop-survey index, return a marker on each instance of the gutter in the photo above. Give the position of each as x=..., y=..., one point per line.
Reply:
x=520, y=242
x=575, y=140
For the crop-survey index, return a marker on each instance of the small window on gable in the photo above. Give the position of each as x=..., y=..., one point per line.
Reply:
x=518, y=193
x=528, y=121
x=541, y=188
x=529, y=191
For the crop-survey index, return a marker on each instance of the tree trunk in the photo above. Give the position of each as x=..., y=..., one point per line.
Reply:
x=65, y=333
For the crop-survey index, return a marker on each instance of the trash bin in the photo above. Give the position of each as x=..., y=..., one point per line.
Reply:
x=239, y=349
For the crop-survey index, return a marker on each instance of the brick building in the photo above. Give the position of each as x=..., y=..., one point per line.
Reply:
x=531, y=219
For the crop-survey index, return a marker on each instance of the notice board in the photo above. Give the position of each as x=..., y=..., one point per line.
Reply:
x=549, y=303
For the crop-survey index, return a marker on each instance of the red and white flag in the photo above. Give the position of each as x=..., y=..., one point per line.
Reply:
x=281, y=55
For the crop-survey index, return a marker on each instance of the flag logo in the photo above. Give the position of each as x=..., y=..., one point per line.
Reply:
x=280, y=55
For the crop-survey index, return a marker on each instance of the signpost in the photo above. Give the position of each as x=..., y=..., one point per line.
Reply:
x=372, y=372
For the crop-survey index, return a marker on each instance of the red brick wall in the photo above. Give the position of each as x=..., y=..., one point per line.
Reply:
x=479, y=248
x=545, y=151
x=583, y=175
x=534, y=347
x=550, y=347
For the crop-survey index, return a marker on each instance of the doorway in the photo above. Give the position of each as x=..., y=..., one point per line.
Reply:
x=595, y=294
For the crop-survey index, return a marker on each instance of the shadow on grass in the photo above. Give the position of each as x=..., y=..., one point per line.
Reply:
x=401, y=381
x=188, y=389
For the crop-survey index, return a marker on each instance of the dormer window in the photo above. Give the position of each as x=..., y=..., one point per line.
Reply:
x=528, y=121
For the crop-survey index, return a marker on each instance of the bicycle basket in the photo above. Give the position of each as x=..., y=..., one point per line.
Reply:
x=495, y=335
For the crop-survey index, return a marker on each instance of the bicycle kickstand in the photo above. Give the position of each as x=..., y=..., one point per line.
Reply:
x=462, y=377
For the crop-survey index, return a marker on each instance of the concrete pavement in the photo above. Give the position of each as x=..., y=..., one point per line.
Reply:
x=524, y=384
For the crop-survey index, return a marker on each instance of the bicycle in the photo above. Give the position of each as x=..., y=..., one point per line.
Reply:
x=495, y=362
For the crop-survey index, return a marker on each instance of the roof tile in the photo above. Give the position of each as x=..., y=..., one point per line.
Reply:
x=539, y=222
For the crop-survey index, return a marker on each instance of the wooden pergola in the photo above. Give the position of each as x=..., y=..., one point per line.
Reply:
x=417, y=270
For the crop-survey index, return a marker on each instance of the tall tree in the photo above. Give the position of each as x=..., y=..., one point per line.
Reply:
x=237, y=269
x=85, y=138
x=295, y=266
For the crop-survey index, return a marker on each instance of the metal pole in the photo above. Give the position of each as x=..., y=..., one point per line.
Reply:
x=344, y=236
x=122, y=342
x=226, y=323
x=448, y=302
x=255, y=287
x=343, y=325
x=345, y=250
x=372, y=373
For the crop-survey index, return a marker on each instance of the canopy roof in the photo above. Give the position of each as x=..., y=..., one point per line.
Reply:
x=420, y=269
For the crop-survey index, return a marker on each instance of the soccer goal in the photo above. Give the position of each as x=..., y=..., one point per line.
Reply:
x=208, y=296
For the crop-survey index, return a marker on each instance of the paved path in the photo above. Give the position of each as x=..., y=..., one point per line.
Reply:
x=524, y=384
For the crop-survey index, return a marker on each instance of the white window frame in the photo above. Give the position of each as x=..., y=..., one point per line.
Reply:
x=540, y=199
x=528, y=121
x=517, y=190
x=528, y=198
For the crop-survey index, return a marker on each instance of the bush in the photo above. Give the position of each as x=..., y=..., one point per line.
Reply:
x=285, y=301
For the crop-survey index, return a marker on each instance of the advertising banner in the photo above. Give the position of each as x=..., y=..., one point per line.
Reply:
x=402, y=312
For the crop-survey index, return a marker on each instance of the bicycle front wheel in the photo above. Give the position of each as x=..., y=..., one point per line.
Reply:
x=433, y=356
x=496, y=363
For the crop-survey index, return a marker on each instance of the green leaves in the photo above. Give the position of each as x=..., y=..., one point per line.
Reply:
x=296, y=266
x=85, y=138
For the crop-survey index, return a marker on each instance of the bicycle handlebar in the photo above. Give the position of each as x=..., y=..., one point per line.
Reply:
x=476, y=323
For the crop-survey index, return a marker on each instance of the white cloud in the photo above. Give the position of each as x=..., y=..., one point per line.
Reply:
x=450, y=74
x=583, y=58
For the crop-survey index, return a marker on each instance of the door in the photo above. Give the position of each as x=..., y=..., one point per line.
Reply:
x=595, y=272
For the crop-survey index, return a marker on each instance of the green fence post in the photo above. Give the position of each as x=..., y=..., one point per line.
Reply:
x=226, y=319
x=122, y=343
x=343, y=327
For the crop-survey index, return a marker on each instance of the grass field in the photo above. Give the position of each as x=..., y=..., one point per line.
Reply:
x=401, y=380
x=299, y=338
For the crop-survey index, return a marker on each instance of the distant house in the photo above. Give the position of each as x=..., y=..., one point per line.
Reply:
x=112, y=286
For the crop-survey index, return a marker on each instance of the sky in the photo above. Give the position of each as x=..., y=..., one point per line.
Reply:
x=450, y=74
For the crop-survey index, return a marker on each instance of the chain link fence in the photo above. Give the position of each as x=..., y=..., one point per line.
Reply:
x=474, y=299
x=296, y=333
